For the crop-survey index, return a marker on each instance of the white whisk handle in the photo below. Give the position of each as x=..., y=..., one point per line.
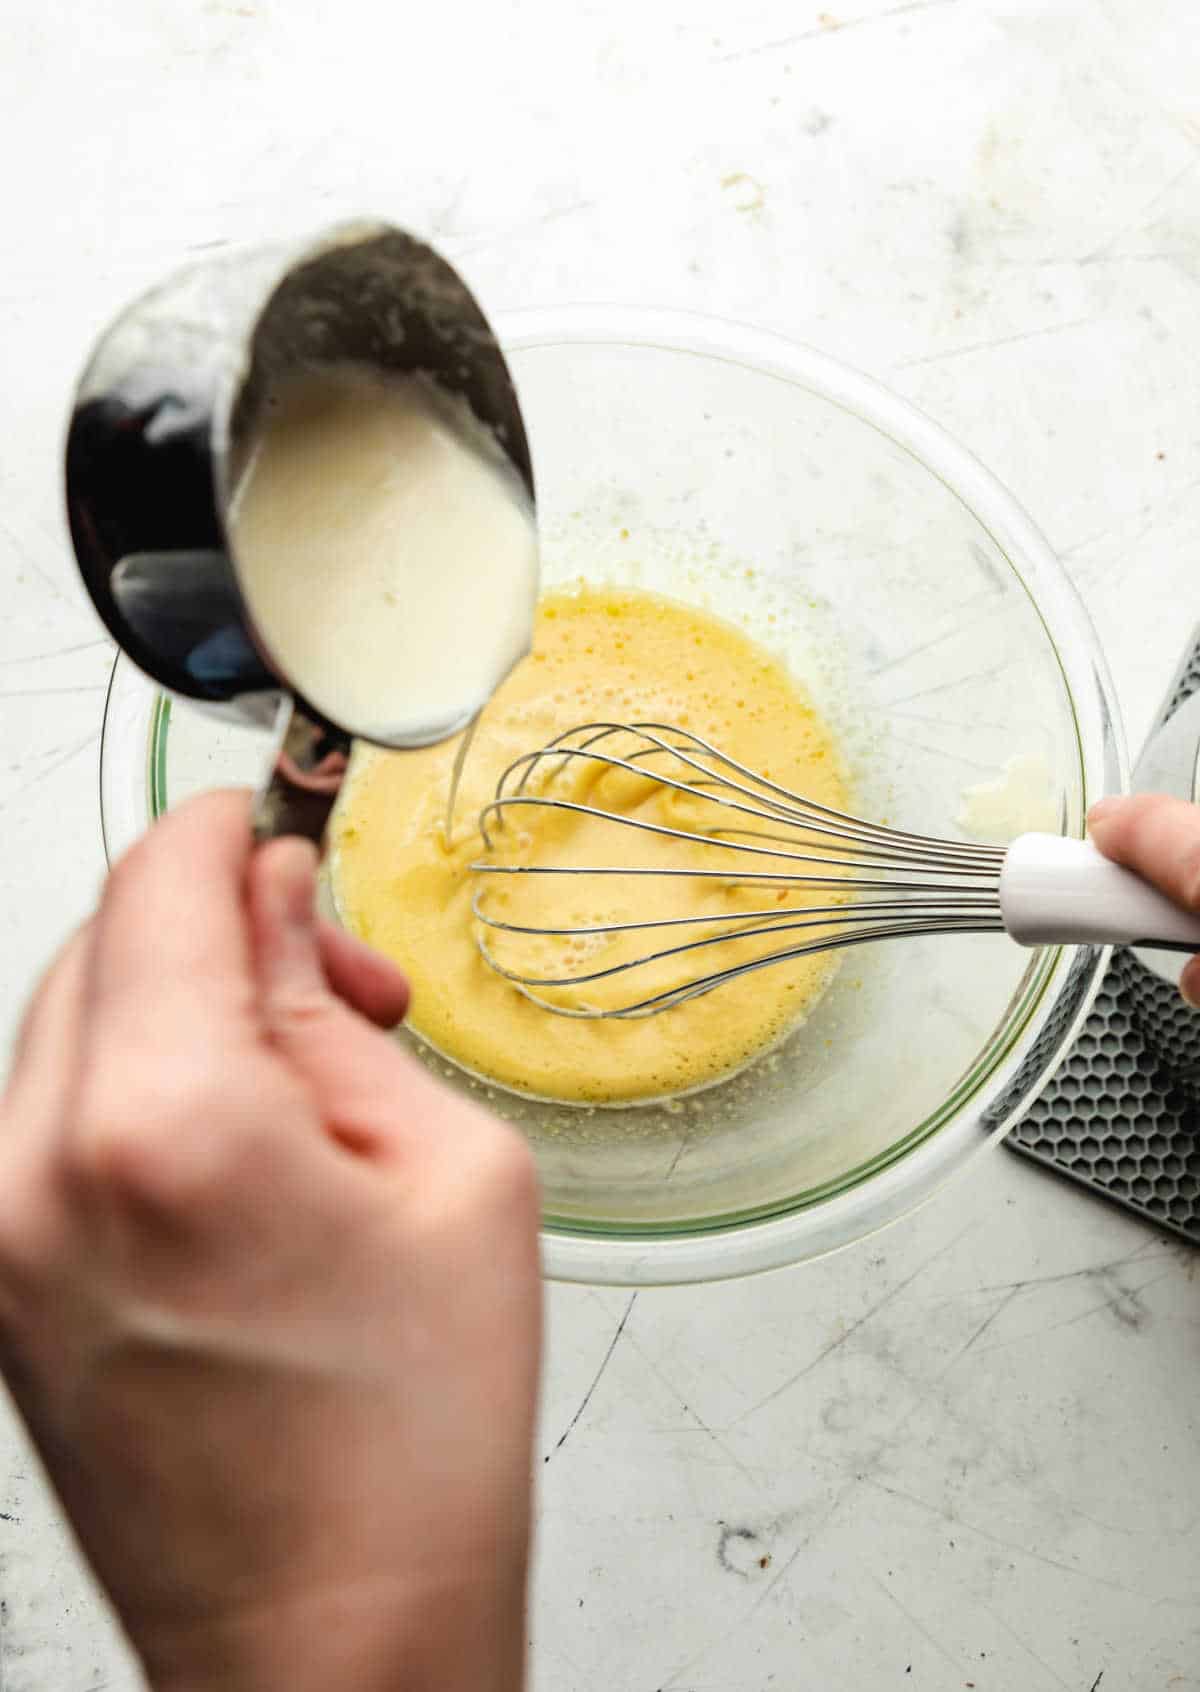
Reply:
x=1056, y=892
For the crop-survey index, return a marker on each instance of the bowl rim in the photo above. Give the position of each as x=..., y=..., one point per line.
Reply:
x=912, y=1172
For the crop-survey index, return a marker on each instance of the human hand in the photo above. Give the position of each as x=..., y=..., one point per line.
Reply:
x=269, y=1295
x=1159, y=837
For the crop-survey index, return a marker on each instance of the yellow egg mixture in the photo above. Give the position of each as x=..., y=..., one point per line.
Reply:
x=599, y=655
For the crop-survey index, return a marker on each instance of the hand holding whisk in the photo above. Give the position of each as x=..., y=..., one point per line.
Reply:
x=780, y=877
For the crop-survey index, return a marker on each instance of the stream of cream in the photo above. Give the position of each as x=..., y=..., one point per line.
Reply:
x=387, y=551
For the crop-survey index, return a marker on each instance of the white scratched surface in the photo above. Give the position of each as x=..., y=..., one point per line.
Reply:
x=965, y=1453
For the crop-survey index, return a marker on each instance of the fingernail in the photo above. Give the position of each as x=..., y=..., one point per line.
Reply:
x=1189, y=986
x=1101, y=809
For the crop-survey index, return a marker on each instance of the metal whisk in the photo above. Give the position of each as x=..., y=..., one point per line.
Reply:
x=878, y=883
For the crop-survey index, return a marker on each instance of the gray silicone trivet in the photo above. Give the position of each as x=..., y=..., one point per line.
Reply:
x=1113, y=1119
x=1122, y=1113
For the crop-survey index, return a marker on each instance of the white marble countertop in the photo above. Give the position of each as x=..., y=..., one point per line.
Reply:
x=964, y=1454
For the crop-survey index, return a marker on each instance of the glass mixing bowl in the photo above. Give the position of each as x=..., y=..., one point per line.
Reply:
x=938, y=635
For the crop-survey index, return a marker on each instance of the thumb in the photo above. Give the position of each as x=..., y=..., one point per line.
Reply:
x=1155, y=835
x=358, y=1076
x=1159, y=837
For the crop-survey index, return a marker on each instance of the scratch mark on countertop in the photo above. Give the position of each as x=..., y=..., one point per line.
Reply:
x=25, y=554
x=42, y=692
x=833, y=27
x=1135, y=222
x=946, y=686
x=1073, y=261
x=43, y=774
x=787, y=1567
x=999, y=341
x=1164, y=255
x=849, y=1333
x=961, y=1524
x=604, y=1362
x=954, y=632
x=983, y=1327
x=1026, y=1647
x=975, y=724
x=925, y=1633
x=57, y=652
x=1153, y=515
x=1119, y=1302
x=1156, y=1250
x=701, y=1426
x=467, y=247
x=1087, y=540
x=941, y=752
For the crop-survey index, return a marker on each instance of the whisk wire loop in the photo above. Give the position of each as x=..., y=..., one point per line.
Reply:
x=924, y=885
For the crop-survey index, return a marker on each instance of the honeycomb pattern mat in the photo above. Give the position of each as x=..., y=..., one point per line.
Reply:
x=1116, y=1119
x=1122, y=1113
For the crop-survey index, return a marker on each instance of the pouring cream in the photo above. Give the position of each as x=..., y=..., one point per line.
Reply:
x=387, y=552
